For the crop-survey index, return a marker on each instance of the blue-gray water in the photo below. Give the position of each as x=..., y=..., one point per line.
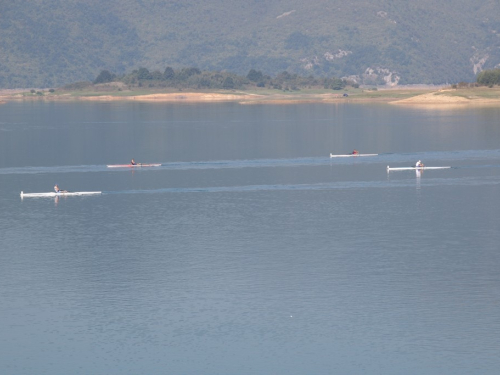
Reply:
x=249, y=251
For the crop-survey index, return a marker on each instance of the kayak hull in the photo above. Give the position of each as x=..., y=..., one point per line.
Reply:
x=350, y=155
x=414, y=168
x=132, y=165
x=54, y=194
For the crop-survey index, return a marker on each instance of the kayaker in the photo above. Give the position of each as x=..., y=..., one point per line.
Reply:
x=57, y=190
x=419, y=164
x=132, y=162
x=355, y=152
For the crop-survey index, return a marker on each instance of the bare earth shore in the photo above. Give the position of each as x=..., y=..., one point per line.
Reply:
x=451, y=98
x=429, y=98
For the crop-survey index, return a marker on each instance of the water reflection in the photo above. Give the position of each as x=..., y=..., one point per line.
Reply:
x=418, y=174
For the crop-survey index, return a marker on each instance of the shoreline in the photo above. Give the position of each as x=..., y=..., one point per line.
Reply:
x=440, y=98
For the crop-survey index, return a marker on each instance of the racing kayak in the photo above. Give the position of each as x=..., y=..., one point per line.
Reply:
x=54, y=194
x=414, y=168
x=132, y=165
x=349, y=155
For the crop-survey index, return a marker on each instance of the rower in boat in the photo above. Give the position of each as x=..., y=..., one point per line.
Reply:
x=132, y=162
x=419, y=164
x=355, y=152
x=57, y=190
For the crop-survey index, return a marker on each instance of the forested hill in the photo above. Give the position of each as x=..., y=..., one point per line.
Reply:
x=48, y=43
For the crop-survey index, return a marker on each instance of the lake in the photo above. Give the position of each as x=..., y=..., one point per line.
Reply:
x=250, y=250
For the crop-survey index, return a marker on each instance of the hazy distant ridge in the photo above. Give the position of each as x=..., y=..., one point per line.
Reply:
x=49, y=43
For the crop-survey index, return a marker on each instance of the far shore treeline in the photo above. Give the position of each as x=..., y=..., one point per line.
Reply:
x=193, y=78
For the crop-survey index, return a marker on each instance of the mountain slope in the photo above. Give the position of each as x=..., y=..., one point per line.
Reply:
x=52, y=42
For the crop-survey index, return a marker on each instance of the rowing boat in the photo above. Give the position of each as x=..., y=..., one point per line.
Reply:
x=61, y=194
x=349, y=155
x=132, y=165
x=414, y=168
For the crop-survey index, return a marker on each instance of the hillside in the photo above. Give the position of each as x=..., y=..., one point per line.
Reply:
x=48, y=43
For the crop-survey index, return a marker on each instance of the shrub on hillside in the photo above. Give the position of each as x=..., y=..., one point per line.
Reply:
x=104, y=77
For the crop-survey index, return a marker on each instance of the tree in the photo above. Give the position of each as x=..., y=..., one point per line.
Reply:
x=156, y=75
x=185, y=73
x=192, y=71
x=228, y=83
x=104, y=77
x=188, y=72
x=489, y=77
x=143, y=73
x=168, y=74
x=255, y=76
x=284, y=76
x=337, y=84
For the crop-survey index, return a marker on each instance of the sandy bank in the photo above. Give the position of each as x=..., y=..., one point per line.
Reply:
x=174, y=97
x=188, y=97
x=447, y=98
x=240, y=97
x=443, y=98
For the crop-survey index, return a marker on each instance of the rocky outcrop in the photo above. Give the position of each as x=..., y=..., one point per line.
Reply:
x=378, y=76
x=478, y=60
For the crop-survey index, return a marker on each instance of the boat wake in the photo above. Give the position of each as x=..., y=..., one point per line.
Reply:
x=344, y=185
x=453, y=158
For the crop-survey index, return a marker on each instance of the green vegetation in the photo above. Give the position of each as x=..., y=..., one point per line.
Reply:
x=489, y=77
x=193, y=78
x=420, y=41
x=104, y=77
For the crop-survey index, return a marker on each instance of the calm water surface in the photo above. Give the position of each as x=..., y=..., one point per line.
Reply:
x=249, y=251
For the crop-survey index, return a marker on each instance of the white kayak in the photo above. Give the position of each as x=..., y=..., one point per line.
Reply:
x=132, y=165
x=414, y=168
x=54, y=194
x=351, y=155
